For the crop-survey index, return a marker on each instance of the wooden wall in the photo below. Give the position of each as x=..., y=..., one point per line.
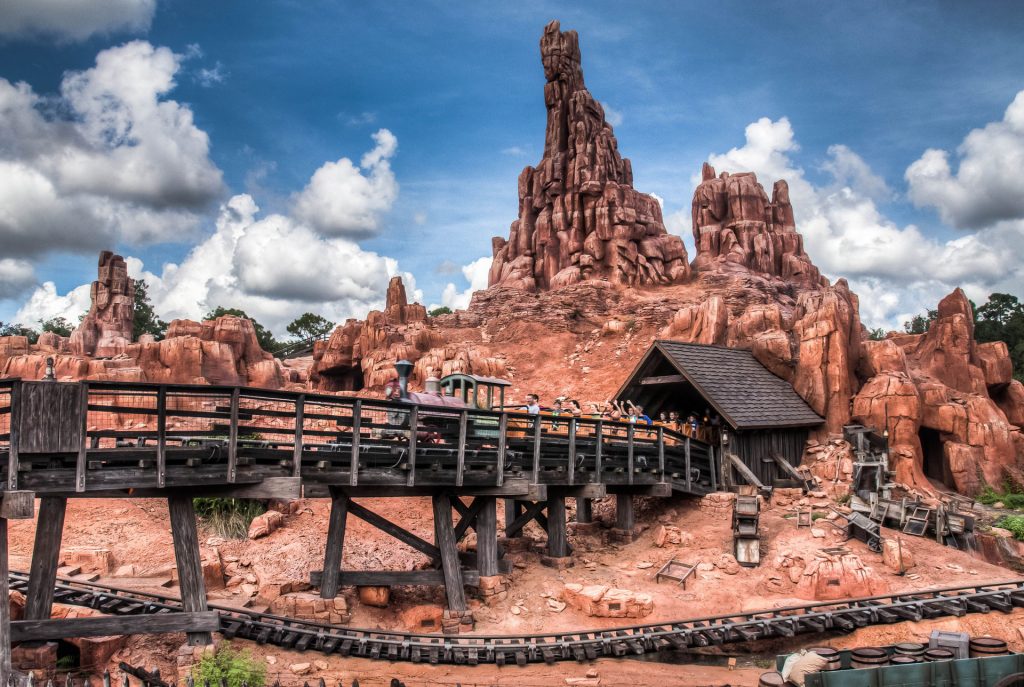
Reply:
x=754, y=445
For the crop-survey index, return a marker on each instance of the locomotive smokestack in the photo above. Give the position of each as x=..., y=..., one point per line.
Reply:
x=404, y=369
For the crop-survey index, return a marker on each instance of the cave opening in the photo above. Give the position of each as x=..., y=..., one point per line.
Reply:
x=936, y=465
x=342, y=379
x=69, y=656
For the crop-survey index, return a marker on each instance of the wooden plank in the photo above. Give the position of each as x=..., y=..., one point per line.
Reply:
x=598, y=446
x=686, y=464
x=45, y=556
x=744, y=471
x=662, y=379
x=300, y=414
x=392, y=578
x=537, y=422
x=469, y=517
x=233, y=437
x=40, y=630
x=334, y=548
x=461, y=464
x=558, y=543
x=414, y=425
x=17, y=505
x=502, y=447
x=714, y=472
x=83, y=442
x=629, y=451
x=161, y=437
x=572, y=451
x=487, y=537
x=444, y=538
x=189, y=562
x=15, y=441
x=357, y=420
x=661, y=451
x=5, y=607
x=624, y=515
x=399, y=533
x=530, y=512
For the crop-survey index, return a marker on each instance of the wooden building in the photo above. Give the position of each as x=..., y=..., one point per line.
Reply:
x=764, y=424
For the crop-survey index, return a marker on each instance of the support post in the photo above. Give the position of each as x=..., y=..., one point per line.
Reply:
x=45, y=556
x=558, y=543
x=5, y=608
x=444, y=539
x=335, y=544
x=487, y=537
x=187, y=557
x=625, y=520
x=513, y=509
x=584, y=510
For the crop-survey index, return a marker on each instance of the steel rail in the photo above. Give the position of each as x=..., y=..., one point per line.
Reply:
x=744, y=626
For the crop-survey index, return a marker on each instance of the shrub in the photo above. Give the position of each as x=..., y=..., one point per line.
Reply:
x=443, y=310
x=1013, y=523
x=228, y=518
x=1010, y=499
x=229, y=667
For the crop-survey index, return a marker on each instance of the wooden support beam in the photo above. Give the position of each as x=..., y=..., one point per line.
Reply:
x=572, y=450
x=15, y=439
x=786, y=467
x=468, y=517
x=537, y=423
x=625, y=518
x=662, y=379
x=599, y=442
x=513, y=509
x=499, y=467
x=532, y=510
x=45, y=556
x=460, y=466
x=233, y=436
x=357, y=419
x=334, y=548
x=17, y=505
x=558, y=542
x=401, y=534
x=414, y=424
x=203, y=622
x=189, y=562
x=630, y=432
x=161, y=436
x=584, y=510
x=745, y=472
x=444, y=538
x=83, y=443
x=5, y=608
x=487, y=537
x=300, y=420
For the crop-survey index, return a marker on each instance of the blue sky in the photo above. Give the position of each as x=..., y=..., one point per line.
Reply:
x=844, y=99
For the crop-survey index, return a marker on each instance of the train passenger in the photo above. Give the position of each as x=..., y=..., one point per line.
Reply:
x=674, y=421
x=533, y=404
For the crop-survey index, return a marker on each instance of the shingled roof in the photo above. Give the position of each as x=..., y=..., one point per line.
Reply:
x=743, y=391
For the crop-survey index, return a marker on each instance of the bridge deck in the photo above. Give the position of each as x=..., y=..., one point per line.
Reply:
x=100, y=438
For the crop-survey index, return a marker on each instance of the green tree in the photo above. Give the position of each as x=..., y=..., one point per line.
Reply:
x=263, y=335
x=877, y=334
x=443, y=310
x=919, y=323
x=1001, y=318
x=57, y=325
x=17, y=329
x=145, y=320
x=310, y=326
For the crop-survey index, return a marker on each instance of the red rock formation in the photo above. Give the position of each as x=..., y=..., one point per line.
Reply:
x=579, y=215
x=107, y=327
x=736, y=227
x=363, y=354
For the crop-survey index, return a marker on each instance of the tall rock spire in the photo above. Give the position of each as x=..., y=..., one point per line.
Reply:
x=579, y=215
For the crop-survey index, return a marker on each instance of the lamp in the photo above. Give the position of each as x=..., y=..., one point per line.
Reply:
x=404, y=369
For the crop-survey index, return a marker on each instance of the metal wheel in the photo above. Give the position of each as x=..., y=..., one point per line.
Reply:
x=1015, y=680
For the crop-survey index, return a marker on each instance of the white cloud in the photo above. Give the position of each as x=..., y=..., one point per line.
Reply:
x=611, y=115
x=514, y=151
x=900, y=269
x=207, y=77
x=108, y=160
x=476, y=274
x=46, y=303
x=344, y=200
x=73, y=20
x=16, y=277
x=988, y=185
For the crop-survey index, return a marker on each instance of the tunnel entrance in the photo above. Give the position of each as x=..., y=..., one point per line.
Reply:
x=342, y=378
x=69, y=656
x=936, y=466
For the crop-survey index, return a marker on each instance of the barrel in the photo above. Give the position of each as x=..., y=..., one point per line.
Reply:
x=983, y=647
x=909, y=649
x=903, y=660
x=868, y=657
x=771, y=680
x=938, y=655
x=829, y=654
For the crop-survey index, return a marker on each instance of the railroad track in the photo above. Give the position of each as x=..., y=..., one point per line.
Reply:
x=302, y=635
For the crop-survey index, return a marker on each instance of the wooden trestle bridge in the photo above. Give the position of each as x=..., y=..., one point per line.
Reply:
x=110, y=439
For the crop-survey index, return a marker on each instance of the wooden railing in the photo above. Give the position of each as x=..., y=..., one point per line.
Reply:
x=92, y=436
